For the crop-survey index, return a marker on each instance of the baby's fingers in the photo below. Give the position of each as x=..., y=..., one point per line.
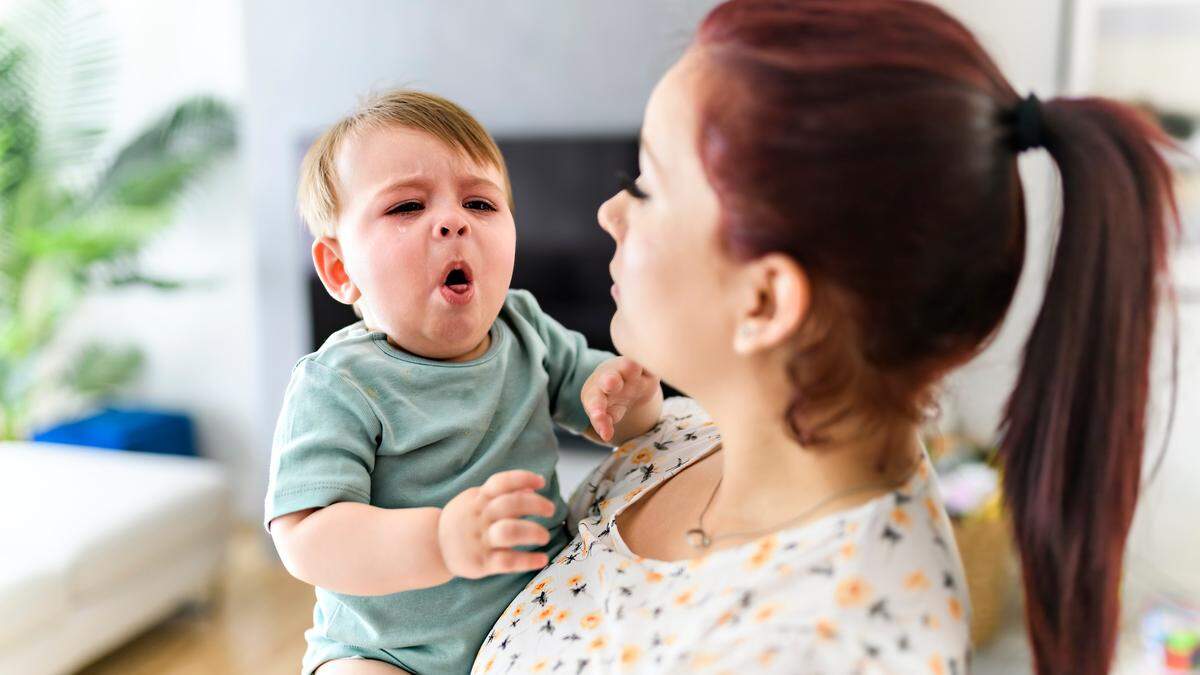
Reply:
x=596, y=405
x=506, y=561
x=603, y=424
x=511, y=481
x=631, y=370
x=517, y=504
x=511, y=532
x=611, y=381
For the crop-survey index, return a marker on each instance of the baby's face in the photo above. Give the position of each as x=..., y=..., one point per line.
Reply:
x=427, y=237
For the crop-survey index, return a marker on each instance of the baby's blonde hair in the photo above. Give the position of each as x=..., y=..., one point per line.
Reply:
x=316, y=195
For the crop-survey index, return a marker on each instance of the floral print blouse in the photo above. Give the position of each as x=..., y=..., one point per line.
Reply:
x=875, y=589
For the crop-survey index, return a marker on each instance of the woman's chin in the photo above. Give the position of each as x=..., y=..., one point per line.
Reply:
x=616, y=332
x=623, y=342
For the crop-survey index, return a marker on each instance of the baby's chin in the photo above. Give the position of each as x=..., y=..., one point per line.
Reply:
x=443, y=338
x=461, y=346
x=441, y=331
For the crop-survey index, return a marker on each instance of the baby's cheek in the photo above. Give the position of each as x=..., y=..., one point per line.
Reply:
x=400, y=278
x=499, y=252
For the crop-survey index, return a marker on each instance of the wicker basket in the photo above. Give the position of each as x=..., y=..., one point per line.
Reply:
x=985, y=544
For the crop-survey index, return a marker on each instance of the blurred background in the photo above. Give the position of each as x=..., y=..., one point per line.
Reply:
x=156, y=289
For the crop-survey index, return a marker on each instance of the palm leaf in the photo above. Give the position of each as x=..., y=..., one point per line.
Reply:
x=99, y=371
x=70, y=218
x=95, y=237
x=155, y=166
x=71, y=72
x=33, y=203
x=18, y=135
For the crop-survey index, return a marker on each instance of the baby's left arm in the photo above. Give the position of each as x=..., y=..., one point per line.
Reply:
x=618, y=399
x=622, y=399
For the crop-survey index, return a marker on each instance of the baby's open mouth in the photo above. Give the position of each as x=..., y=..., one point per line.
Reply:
x=458, y=278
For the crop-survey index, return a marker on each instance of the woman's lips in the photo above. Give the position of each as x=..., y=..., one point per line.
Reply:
x=616, y=293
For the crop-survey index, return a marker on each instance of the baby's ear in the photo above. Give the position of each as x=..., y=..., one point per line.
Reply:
x=327, y=258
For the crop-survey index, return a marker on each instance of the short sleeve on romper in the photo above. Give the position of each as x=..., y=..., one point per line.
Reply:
x=324, y=445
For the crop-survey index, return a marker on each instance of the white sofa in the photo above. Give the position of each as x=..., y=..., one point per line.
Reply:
x=97, y=545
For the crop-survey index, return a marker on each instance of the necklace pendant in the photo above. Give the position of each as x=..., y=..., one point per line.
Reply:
x=698, y=538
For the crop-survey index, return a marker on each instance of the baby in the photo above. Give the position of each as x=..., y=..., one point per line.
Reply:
x=413, y=445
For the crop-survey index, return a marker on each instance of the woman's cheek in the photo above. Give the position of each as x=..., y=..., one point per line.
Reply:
x=645, y=312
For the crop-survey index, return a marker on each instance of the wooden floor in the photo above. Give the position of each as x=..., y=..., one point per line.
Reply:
x=255, y=625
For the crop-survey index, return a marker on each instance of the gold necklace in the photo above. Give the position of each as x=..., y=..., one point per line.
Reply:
x=699, y=538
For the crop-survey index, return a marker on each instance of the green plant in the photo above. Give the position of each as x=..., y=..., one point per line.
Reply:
x=74, y=213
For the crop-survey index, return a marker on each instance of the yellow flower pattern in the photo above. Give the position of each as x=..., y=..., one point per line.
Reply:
x=875, y=589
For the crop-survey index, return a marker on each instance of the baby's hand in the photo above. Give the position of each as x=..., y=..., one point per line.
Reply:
x=617, y=385
x=479, y=527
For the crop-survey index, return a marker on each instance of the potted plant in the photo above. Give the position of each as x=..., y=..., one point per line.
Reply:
x=74, y=213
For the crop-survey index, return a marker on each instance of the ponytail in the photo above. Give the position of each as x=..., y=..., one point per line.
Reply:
x=1074, y=425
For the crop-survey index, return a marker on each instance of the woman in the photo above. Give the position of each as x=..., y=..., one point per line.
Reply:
x=828, y=220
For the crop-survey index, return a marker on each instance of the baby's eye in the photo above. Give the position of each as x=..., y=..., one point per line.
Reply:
x=405, y=207
x=479, y=205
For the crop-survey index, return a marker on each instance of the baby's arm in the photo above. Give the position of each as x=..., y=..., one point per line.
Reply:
x=359, y=549
x=607, y=399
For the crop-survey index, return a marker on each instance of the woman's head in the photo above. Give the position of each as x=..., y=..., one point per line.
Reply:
x=833, y=192
x=863, y=144
x=668, y=263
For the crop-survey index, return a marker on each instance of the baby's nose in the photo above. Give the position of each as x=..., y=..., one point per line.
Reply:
x=447, y=230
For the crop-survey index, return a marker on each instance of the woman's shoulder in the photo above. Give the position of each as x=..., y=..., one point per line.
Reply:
x=880, y=586
x=883, y=582
x=684, y=430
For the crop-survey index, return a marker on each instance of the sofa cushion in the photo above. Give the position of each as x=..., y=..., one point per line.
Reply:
x=33, y=596
x=102, y=517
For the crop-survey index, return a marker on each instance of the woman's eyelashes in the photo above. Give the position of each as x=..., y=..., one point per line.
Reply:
x=413, y=206
x=630, y=185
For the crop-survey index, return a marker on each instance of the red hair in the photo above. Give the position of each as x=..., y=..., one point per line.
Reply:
x=873, y=142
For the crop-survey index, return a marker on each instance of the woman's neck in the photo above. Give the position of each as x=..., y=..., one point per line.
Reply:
x=767, y=477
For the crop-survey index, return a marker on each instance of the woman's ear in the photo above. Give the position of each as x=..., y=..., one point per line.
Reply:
x=327, y=258
x=777, y=296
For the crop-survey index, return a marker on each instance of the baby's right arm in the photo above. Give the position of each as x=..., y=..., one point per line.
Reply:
x=359, y=549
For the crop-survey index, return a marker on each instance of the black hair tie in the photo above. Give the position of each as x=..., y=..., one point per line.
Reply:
x=1027, y=124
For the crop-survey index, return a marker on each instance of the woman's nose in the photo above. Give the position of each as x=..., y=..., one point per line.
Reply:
x=609, y=217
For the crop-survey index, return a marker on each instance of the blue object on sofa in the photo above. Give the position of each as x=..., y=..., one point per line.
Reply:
x=127, y=429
